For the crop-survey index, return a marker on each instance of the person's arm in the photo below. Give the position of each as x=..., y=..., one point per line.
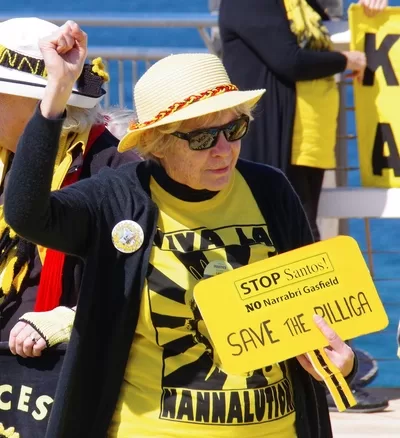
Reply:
x=318, y=8
x=37, y=331
x=60, y=219
x=263, y=26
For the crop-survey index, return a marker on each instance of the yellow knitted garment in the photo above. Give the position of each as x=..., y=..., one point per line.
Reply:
x=317, y=101
x=14, y=261
x=306, y=24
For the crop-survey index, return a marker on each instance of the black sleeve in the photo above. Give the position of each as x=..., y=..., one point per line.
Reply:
x=264, y=28
x=318, y=8
x=61, y=219
x=299, y=229
x=353, y=372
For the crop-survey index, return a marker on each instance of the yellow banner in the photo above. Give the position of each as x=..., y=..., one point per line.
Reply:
x=262, y=313
x=378, y=96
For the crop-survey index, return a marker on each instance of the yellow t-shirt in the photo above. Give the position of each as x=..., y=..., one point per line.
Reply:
x=317, y=101
x=174, y=385
x=314, y=132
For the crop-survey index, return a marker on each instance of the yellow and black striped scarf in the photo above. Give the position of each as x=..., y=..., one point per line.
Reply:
x=307, y=25
x=16, y=254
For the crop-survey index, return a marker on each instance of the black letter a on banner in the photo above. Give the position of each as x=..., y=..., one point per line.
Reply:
x=384, y=134
x=379, y=57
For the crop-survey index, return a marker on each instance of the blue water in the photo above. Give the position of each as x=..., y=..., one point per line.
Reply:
x=385, y=233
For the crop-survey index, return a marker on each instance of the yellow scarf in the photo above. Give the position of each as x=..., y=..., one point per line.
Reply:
x=307, y=25
x=16, y=255
x=8, y=433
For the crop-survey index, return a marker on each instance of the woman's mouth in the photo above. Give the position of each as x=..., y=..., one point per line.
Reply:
x=220, y=170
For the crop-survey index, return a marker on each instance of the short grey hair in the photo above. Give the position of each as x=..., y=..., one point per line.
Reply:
x=79, y=120
x=118, y=120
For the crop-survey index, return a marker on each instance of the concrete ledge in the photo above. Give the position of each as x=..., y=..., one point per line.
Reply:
x=359, y=202
x=340, y=33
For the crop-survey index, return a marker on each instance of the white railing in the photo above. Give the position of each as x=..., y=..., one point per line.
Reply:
x=127, y=63
x=202, y=22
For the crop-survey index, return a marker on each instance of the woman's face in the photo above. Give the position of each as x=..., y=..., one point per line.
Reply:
x=15, y=114
x=209, y=169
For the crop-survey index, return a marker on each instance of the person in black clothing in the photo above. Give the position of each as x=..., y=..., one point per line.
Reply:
x=20, y=91
x=140, y=361
x=292, y=58
x=32, y=277
x=281, y=45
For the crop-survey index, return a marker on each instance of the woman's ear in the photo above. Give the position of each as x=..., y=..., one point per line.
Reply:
x=148, y=139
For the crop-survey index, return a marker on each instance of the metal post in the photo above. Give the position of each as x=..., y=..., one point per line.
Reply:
x=341, y=149
x=368, y=239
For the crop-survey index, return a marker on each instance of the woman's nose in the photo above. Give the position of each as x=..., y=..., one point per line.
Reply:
x=223, y=146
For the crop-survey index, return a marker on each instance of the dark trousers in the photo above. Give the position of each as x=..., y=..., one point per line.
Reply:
x=307, y=182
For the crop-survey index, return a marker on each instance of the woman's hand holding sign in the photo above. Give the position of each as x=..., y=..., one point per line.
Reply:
x=341, y=355
x=373, y=7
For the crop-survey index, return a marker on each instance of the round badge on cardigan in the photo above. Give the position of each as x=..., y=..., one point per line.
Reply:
x=127, y=236
x=217, y=267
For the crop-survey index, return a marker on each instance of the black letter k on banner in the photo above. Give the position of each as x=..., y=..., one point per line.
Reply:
x=379, y=57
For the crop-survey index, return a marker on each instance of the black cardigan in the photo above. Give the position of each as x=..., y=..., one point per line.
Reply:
x=102, y=153
x=260, y=51
x=79, y=220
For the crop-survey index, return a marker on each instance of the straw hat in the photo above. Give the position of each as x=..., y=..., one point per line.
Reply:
x=181, y=87
x=22, y=69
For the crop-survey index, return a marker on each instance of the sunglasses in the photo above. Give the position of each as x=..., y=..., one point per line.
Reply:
x=203, y=139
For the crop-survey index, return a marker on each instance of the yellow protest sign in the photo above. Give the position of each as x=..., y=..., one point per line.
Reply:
x=377, y=97
x=262, y=313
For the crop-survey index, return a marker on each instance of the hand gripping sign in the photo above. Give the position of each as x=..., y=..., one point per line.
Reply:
x=262, y=313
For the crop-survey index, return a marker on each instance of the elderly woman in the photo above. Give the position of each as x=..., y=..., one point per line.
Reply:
x=84, y=147
x=140, y=362
x=31, y=276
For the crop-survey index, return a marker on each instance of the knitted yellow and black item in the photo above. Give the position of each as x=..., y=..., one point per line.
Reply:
x=20, y=62
x=16, y=254
x=99, y=69
x=333, y=379
x=8, y=433
x=54, y=326
x=306, y=24
x=93, y=76
x=89, y=83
